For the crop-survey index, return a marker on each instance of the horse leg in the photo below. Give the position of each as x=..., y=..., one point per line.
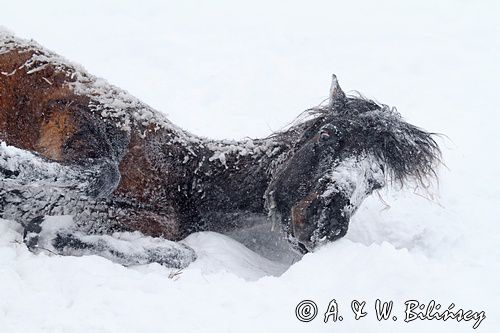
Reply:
x=31, y=186
x=59, y=235
x=34, y=190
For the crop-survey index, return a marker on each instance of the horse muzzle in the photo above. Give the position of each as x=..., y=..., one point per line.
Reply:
x=315, y=221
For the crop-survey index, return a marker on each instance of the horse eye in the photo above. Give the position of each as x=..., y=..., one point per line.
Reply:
x=324, y=136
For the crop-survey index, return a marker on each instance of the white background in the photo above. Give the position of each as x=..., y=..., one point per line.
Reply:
x=230, y=69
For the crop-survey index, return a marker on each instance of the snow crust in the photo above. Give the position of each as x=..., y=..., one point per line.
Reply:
x=231, y=70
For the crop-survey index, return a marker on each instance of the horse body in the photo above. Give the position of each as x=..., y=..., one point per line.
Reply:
x=115, y=164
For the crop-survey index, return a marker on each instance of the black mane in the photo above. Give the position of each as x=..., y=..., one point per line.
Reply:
x=409, y=154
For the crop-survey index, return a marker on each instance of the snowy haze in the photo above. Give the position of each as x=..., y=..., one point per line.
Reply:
x=228, y=70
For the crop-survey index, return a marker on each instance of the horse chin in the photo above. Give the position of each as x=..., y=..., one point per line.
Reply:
x=304, y=247
x=297, y=246
x=318, y=239
x=301, y=248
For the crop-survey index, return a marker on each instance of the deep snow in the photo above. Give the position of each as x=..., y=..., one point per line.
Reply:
x=223, y=69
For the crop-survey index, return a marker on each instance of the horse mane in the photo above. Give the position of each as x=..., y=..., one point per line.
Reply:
x=409, y=154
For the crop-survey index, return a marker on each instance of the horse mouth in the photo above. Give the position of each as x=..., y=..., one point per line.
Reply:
x=314, y=223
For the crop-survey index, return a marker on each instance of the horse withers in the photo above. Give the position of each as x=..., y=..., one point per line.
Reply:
x=131, y=185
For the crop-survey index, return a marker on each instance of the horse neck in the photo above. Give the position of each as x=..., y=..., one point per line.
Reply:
x=224, y=177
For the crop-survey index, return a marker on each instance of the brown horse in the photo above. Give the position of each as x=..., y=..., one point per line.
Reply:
x=72, y=144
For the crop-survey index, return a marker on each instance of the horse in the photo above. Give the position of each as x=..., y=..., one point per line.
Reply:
x=131, y=185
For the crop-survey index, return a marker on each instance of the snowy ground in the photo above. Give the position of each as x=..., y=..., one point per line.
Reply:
x=223, y=69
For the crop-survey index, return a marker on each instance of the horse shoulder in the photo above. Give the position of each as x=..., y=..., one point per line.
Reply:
x=39, y=111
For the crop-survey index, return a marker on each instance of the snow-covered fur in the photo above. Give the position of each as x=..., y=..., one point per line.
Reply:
x=74, y=145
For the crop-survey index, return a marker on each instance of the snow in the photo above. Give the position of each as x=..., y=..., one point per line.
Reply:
x=352, y=182
x=229, y=70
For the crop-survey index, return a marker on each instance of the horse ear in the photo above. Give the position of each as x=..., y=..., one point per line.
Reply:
x=337, y=96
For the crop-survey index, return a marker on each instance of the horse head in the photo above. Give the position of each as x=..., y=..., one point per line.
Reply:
x=351, y=147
